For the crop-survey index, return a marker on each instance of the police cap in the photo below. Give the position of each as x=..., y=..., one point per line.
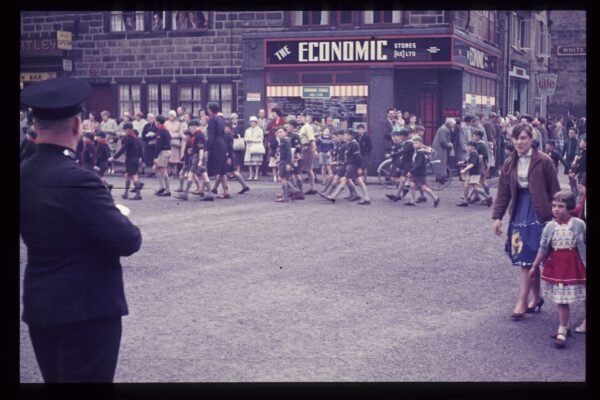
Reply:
x=57, y=98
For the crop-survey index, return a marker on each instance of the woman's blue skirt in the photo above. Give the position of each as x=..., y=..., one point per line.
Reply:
x=524, y=232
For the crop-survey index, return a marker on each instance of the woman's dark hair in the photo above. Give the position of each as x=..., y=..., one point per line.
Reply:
x=160, y=119
x=214, y=107
x=520, y=128
x=567, y=197
x=277, y=111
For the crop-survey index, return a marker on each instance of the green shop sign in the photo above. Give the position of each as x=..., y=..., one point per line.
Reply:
x=316, y=92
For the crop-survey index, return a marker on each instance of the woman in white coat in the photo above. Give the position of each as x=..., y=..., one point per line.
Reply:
x=255, y=149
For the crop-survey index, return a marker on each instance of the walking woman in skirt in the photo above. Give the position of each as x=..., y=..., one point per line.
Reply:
x=527, y=183
x=562, y=248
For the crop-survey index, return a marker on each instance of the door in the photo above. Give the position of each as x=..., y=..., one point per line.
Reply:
x=100, y=99
x=429, y=112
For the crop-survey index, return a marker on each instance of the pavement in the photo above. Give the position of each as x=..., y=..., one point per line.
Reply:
x=249, y=290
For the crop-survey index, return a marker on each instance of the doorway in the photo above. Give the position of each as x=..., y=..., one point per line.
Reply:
x=100, y=99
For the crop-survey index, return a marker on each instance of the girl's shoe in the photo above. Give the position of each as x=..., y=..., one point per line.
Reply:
x=553, y=336
x=538, y=306
x=560, y=341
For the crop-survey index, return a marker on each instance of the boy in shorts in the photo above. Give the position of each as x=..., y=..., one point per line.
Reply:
x=418, y=172
x=102, y=156
x=473, y=168
x=161, y=159
x=133, y=156
x=285, y=167
x=402, y=153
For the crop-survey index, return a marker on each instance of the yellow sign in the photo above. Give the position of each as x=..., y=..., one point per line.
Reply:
x=37, y=76
x=64, y=40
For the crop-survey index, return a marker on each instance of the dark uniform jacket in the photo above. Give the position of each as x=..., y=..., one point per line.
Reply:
x=556, y=157
x=102, y=155
x=419, y=163
x=132, y=148
x=216, y=145
x=570, y=151
x=353, y=153
x=474, y=160
x=543, y=184
x=386, y=127
x=163, y=141
x=285, y=152
x=88, y=155
x=74, y=236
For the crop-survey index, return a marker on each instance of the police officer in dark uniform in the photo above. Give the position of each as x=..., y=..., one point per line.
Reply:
x=73, y=297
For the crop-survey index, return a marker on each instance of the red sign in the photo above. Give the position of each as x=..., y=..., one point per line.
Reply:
x=451, y=113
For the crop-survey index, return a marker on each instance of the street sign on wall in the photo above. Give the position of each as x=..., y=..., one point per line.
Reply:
x=571, y=50
x=546, y=83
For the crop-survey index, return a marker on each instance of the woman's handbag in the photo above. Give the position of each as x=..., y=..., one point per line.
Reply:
x=239, y=144
x=257, y=148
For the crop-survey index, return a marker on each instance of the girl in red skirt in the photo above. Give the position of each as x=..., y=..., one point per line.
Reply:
x=562, y=246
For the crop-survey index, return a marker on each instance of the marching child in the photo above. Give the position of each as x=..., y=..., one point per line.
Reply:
x=285, y=167
x=562, y=251
x=482, y=149
x=198, y=164
x=102, y=156
x=325, y=146
x=473, y=168
x=274, y=156
x=402, y=154
x=133, y=156
x=366, y=146
x=186, y=164
x=296, y=145
x=333, y=177
x=418, y=172
x=88, y=152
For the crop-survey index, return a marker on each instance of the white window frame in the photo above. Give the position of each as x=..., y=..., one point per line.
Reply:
x=369, y=17
x=221, y=99
x=194, y=103
x=163, y=100
x=296, y=17
x=543, y=40
x=133, y=101
x=120, y=26
x=526, y=37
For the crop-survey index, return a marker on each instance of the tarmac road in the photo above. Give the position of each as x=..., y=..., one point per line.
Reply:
x=248, y=290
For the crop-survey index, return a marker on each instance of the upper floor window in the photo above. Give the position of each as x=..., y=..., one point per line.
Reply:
x=121, y=21
x=520, y=32
x=381, y=17
x=158, y=20
x=307, y=18
x=182, y=20
x=543, y=40
x=426, y=17
x=489, y=26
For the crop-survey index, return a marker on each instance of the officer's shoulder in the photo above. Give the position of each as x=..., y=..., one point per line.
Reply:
x=74, y=174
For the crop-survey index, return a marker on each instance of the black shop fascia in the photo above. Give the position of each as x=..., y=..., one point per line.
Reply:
x=356, y=78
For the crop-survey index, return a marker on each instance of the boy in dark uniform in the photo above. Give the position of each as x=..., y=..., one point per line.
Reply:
x=473, y=168
x=28, y=145
x=335, y=154
x=102, y=156
x=133, y=155
x=285, y=167
x=88, y=152
x=366, y=146
x=162, y=156
x=402, y=153
x=482, y=150
x=418, y=172
x=352, y=169
x=231, y=160
x=197, y=172
x=73, y=295
x=186, y=162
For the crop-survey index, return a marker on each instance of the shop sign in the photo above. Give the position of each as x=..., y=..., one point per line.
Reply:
x=546, y=83
x=39, y=48
x=571, y=50
x=253, y=96
x=450, y=113
x=36, y=76
x=316, y=92
x=64, y=40
x=367, y=50
x=361, y=109
x=474, y=57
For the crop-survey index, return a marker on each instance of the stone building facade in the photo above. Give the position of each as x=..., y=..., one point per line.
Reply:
x=568, y=60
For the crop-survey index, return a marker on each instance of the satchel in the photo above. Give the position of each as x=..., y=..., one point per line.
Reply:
x=257, y=148
x=239, y=144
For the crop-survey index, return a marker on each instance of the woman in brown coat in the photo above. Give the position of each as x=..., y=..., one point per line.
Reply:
x=526, y=186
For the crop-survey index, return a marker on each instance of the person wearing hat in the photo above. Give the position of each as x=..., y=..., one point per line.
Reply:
x=132, y=148
x=402, y=154
x=174, y=128
x=309, y=150
x=102, y=156
x=442, y=144
x=418, y=172
x=255, y=149
x=28, y=145
x=73, y=296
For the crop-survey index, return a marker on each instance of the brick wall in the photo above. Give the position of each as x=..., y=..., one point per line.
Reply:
x=568, y=29
x=99, y=55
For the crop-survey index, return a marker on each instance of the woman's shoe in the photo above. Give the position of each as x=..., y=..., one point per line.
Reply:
x=517, y=316
x=538, y=306
x=560, y=341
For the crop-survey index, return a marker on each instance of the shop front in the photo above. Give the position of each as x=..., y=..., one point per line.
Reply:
x=355, y=79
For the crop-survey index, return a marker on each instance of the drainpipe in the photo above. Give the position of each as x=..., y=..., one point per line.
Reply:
x=507, y=46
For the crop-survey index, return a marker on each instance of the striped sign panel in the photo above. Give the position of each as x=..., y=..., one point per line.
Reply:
x=337, y=91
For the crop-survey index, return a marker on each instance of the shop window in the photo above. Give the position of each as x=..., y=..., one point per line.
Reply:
x=190, y=98
x=282, y=77
x=317, y=77
x=122, y=21
x=308, y=18
x=189, y=20
x=159, y=98
x=129, y=99
x=221, y=93
x=381, y=17
x=357, y=76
